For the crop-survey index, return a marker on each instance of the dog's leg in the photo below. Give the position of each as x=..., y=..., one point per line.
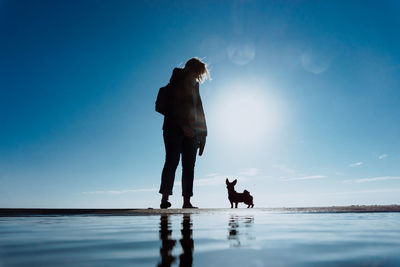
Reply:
x=236, y=204
x=231, y=205
x=248, y=206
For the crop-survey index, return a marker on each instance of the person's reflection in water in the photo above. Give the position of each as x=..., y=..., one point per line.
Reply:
x=233, y=229
x=167, y=244
x=186, y=258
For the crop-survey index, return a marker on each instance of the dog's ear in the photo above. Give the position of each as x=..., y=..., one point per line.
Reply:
x=227, y=181
x=234, y=182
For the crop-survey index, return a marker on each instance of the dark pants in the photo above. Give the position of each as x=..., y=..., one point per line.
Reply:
x=175, y=145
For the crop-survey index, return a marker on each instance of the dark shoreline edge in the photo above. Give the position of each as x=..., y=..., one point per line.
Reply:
x=21, y=212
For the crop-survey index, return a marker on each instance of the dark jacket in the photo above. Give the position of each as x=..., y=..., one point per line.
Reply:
x=181, y=110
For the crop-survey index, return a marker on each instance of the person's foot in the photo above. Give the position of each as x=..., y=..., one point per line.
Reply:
x=189, y=206
x=165, y=204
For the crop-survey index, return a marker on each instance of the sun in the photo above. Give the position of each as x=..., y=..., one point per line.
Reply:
x=246, y=117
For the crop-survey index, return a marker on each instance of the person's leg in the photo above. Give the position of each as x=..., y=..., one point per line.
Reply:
x=173, y=145
x=164, y=197
x=189, y=151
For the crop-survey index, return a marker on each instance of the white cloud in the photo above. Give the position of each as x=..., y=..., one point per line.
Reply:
x=388, y=190
x=217, y=180
x=295, y=175
x=356, y=164
x=249, y=172
x=311, y=177
x=286, y=169
x=383, y=156
x=372, y=179
x=325, y=194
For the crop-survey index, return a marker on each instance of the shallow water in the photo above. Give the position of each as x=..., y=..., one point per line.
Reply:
x=234, y=238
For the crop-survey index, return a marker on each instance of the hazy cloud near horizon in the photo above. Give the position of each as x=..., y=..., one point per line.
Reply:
x=372, y=179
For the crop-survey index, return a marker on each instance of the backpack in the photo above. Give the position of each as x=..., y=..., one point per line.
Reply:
x=162, y=102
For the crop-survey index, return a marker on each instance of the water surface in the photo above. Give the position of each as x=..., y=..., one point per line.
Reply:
x=228, y=238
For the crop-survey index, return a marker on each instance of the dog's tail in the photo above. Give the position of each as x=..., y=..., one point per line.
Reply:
x=246, y=192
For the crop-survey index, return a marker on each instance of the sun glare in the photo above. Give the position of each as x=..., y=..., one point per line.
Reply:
x=247, y=117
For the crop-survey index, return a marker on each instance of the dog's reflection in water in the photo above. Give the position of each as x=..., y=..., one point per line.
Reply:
x=239, y=227
x=167, y=243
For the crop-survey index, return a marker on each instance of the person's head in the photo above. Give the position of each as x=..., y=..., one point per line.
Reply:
x=198, y=69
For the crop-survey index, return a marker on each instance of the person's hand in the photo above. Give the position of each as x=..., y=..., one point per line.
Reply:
x=188, y=132
x=202, y=144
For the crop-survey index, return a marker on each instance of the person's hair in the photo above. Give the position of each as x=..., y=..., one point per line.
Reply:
x=198, y=68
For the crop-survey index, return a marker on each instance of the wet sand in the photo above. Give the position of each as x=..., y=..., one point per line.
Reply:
x=9, y=212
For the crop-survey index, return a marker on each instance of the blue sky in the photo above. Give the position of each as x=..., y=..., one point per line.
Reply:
x=303, y=107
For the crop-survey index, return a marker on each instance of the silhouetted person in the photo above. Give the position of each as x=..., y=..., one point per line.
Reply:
x=167, y=244
x=184, y=129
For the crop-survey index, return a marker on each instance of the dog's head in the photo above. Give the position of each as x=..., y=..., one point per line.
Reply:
x=230, y=186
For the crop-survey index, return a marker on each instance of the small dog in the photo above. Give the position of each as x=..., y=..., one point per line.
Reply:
x=235, y=197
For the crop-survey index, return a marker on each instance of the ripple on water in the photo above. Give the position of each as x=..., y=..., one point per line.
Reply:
x=235, y=238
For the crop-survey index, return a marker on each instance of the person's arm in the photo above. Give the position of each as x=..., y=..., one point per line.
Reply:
x=201, y=125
